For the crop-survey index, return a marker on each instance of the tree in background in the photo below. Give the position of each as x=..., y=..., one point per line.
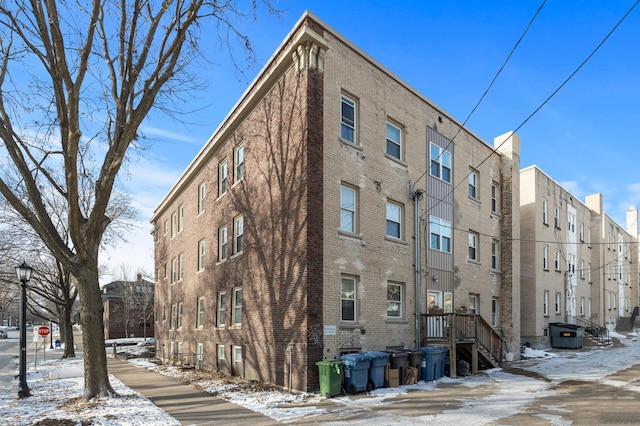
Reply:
x=76, y=82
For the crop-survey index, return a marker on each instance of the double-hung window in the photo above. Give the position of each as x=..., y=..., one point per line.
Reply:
x=200, y=314
x=223, y=175
x=545, y=212
x=394, y=220
x=202, y=194
x=545, y=303
x=237, y=306
x=238, y=234
x=180, y=266
x=557, y=260
x=394, y=141
x=440, y=163
x=348, y=299
x=495, y=252
x=180, y=311
x=348, y=209
x=473, y=246
x=222, y=243
x=473, y=184
x=222, y=309
x=174, y=270
x=440, y=234
x=556, y=217
x=238, y=157
x=172, y=320
x=174, y=224
x=347, y=119
x=495, y=198
x=181, y=218
x=394, y=300
x=558, y=304
x=545, y=257
x=201, y=254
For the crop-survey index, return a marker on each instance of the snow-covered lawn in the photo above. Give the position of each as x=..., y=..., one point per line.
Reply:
x=57, y=384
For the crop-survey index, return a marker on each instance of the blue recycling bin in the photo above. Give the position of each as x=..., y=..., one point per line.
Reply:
x=356, y=372
x=432, y=367
x=377, y=363
x=57, y=344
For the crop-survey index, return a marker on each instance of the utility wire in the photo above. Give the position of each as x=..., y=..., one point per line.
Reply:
x=495, y=150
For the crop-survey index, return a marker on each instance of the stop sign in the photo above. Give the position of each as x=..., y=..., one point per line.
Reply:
x=43, y=331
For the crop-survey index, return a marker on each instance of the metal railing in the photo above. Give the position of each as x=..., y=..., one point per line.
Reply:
x=596, y=331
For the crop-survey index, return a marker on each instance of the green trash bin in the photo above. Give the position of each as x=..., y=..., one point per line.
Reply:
x=330, y=372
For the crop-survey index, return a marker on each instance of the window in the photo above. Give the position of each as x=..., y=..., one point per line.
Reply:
x=394, y=300
x=173, y=318
x=348, y=212
x=222, y=243
x=394, y=220
x=174, y=270
x=200, y=354
x=473, y=184
x=221, y=353
x=238, y=161
x=440, y=163
x=582, y=269
x=165, y=270
x=589, y=237
x=348, y=119
x=238, y=234
x=166, y=227
x=201, y=253
x=495, y=252
x=581, y=232
x=237, y=353
x=174, y=224
x=495, y=198
x=571, y=222
x=237, y=306
x=202, y=193
x=348, y=299
x=474, y=304
x=180, y=266
x=571, y=263
x=222, y=309
x=434, y=300
x=180, y=310
x=589, y=306
x=440, y=232
x=589, y=272
x=545, y=212
x=545, y=257
x=223, y=173
x=545, y=303
x=394, y=141
x=181, y=218
x=473, y=246
x=582, y=306
x=494, y=311
x=200, y=317
x=556, y=217
x=558, y=305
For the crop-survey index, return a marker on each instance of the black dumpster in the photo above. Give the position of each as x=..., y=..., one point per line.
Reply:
x=398, y=359
x=566, y=336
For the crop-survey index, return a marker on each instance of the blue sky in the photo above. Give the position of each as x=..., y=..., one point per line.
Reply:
x=450, y=51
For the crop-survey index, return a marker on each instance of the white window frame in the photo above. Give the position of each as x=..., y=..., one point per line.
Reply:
x=545, y=303
x=545, y=212
x=202, y=195
x=200, y=312
x=557, y=260
x=180, y=218
x=174, y=317
x=582, y=269
x=394, y=213
x=545, y=257
x=223, y=177
x=237, y=306
x=473, y=253
x=348, y=298
x=397, y=145
x=558, y=303
x=582, y=306
x=223, y=236
x=174, y=224
x=472, y=178
x=440, y=163
x=174, y=270
x=238, y=234
x=495, y=197
x=221, y=312
x=495, y=255
x=589, y=273
x=495, y=311
x=395, y=299
x=348, y=127
x=238, y=163
x=581, y=232
x=202, y=251
x=180, y=314
x=200, y=356
x=237, y=354
x=180, y=266
x=439, y=229
x=221, y=352
x=474, y=304
x=556, y=217
x=348, y=209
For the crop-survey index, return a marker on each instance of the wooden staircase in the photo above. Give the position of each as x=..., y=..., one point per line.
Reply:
x=466, y=336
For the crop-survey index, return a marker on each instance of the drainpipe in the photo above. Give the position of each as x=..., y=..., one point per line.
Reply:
x=417, y=195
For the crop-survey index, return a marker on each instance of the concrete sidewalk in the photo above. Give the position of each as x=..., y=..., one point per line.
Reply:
x=183, y=402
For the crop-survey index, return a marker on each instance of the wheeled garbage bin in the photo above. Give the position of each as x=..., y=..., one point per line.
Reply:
x=356, y=373
x=378, y=362
x=567, y=336
x=330, y=372
x=432, y=367
x=398, y=359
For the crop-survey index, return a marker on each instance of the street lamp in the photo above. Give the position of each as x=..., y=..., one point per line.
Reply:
x=24, y=273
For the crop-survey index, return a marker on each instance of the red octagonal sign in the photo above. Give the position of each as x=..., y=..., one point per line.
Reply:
x=43, y=331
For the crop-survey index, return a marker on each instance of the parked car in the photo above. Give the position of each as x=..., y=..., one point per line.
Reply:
x=3, y=333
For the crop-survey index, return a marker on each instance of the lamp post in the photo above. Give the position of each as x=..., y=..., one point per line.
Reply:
x=24, y=273
x=50, y=334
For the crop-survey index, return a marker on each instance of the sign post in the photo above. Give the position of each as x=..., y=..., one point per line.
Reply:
x=43, y=331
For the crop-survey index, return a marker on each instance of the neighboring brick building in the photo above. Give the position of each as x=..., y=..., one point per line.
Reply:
x=128, y=309
x=292, y=235
x=578, y=265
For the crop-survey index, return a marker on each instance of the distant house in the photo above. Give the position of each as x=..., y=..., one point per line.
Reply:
x=128, y=309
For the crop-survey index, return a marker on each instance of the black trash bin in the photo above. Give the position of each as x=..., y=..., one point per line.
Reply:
x=398, y=359
x=566, y=336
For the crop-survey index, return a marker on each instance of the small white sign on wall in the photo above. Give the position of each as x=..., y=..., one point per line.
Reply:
x=329, y=330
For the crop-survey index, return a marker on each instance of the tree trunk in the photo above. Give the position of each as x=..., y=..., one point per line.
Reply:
x=96, y=379
x=66, y=336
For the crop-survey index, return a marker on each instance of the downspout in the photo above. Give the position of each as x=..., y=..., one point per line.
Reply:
x=417, y=195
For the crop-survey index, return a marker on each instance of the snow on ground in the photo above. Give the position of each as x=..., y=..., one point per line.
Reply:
x=57, y=384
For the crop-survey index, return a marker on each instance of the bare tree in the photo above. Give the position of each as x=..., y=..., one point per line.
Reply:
x=76, y=82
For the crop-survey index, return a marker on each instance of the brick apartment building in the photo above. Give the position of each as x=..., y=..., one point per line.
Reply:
x=128, y=309
x=331, y=208
x=578, y=265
